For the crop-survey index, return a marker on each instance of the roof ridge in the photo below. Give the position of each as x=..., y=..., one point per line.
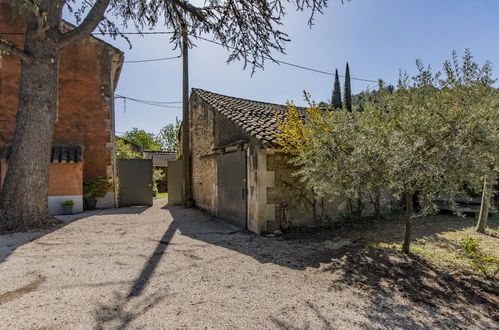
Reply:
x=239, y=98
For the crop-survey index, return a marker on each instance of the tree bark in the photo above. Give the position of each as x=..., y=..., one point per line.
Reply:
x=409, y=208
x=376, y=201
x=485, y=205
x=23, y=199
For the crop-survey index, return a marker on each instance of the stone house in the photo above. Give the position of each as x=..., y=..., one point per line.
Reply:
x=239, y=173
x=83, y=142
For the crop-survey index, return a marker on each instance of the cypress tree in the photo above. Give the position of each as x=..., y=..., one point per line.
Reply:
x=336, y=98
x=348, y=90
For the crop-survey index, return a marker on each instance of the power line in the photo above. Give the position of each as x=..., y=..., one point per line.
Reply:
x=292, y=64
x=148, y=102
x=105, y=33
x=135, y=99
x=154, y=59
x=216, y=43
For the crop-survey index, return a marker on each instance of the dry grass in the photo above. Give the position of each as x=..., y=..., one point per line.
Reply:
x=436, y=238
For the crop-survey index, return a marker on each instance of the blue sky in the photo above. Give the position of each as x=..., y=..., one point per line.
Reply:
x=377, y=38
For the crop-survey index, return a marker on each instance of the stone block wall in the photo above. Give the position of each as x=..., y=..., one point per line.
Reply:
x=203, y=159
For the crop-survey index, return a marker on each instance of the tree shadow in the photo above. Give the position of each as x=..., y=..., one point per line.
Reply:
x=9, y=242
x=389, y=278
x=402, y=291
x=127, y=307
x=324, y=320
x=298, y=253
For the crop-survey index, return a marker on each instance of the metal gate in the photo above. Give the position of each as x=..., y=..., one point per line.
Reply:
x=232, y=190
x=135, y=182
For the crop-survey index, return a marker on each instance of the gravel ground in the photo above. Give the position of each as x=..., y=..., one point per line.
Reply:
x=173, y=268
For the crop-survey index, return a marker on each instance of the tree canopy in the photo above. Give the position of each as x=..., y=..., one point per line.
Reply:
x=435, y=136
x=140, y=137
x=169, y=137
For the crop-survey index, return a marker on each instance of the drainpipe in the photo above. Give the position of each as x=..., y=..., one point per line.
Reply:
x=114, y=65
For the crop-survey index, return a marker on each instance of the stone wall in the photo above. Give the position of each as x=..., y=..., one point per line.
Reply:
x=204, y=161
x=262, y=211
x=88, y=74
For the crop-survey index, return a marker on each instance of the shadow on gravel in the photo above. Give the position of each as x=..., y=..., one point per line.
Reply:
x=380, y=273
x=297, y=253
x=449, y=300
x=125, y=308
x=11, y=241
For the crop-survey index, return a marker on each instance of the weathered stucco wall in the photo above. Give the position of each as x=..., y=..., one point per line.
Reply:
x=88, y=70
x=204, y=161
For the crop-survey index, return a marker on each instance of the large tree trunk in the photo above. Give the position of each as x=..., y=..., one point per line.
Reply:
x=23, y=199
x=409, y=209
x=485, y=205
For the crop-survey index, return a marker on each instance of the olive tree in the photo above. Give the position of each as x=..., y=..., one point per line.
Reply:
x=249, y=28
x=443, y=134
x=433, y=137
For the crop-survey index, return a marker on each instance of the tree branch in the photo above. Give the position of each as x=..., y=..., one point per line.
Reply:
x=94, y=17
x=11, y=49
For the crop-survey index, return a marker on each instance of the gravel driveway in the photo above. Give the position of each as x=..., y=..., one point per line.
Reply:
x=173, y=268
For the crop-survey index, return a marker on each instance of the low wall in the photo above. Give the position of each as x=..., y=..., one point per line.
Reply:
x=65, y=183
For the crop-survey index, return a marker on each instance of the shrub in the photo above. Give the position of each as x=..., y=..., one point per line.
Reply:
x=158, y=175
x=487, y=266
x=69, y=202
x=95, y=187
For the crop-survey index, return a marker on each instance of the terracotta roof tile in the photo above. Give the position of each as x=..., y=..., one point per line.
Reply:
x=160, y=158
x=256, y=118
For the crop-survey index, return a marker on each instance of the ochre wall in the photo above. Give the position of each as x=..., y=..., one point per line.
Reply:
x=65, y=179
x=85, y=114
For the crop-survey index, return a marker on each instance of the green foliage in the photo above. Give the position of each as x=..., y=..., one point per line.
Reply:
x=157, y=176
x=433, y=137
x=348, y=90
x=169, y=137
x=95, y=187
x=69, y=202
x=124, y=150
x=362, y=99
x=488, y=266
x=336, y=98
x=146, y=140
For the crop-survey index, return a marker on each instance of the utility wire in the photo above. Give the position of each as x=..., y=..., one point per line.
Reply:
x=141, y=100
x=216, y=43
x=104, y=33
x=154, y=59
x=148, y=102
x=291, y=64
